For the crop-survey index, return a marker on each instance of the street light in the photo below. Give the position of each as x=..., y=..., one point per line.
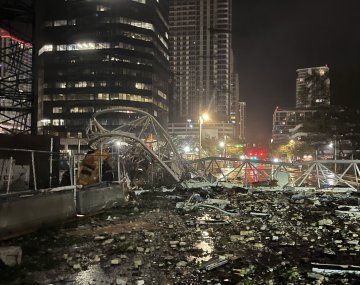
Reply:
x=188, y=124
x=187, y=149
x=202, y=119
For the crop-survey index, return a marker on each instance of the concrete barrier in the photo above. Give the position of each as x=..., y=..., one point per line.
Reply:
x=24, y=214
x=92, y=200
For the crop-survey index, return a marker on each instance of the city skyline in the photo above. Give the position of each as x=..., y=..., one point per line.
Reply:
x=273, y=39
x=268, y=51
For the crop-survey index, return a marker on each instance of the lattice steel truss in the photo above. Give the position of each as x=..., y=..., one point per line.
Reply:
x=16, y=94
x=143, y=132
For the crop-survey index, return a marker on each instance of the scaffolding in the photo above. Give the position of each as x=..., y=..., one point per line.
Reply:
x=16, y=92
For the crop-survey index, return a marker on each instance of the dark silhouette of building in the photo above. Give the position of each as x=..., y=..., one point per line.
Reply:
x=94, y=55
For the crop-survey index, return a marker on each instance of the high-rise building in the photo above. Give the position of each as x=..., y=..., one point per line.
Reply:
x=313, y=87
x=200, y=58
x=94, y=55
x=241, y=121
x=286, y=119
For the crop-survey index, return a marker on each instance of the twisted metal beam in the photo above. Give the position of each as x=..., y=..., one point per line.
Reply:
x=136, y=132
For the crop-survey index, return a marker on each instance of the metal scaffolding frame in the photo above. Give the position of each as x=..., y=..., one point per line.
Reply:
x=16, y=94
x=17, y=100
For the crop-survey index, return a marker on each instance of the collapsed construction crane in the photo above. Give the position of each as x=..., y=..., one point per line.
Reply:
x=139, y=141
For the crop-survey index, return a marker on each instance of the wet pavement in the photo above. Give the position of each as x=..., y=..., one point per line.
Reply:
x=272, y=238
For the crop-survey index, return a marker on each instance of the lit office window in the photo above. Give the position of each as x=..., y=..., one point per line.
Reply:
x=60, y=84
x=143, y=86
x=57, y=110
x=82, y=110
x=58, y=122
x=61, y=47
x=162, y=94
x=58, y=23
x=135, y=23
x=45, y=48
x=102, y=8
x=103, y=96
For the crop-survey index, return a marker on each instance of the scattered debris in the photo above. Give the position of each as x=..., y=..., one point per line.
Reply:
x=11, y=255
x=209, y=235
x=212, y=264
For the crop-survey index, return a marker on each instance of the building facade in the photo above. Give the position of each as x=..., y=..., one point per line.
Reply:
x=241, y=121
x=200, y=58
x=285, y=120
x=208, y=130
x=94, y=55
x=312, y=87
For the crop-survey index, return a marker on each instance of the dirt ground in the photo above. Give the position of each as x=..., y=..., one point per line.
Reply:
x=269, y=238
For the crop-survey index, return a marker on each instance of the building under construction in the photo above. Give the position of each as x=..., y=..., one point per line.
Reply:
x=16, y=77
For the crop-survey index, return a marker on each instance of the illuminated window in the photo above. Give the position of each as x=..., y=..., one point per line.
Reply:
x=58, y=122
x=134, y=23
x=143, y=86
x=162, y=94
x=60, y=84
x=137, y=36
x=101, y=8
x=102, y=45
x=45, y=48
x=82, y=110
x=103, y=96
x=61, y=47
x=162, y=40
x=80, y=84
x=57, y=110
x=60, y=23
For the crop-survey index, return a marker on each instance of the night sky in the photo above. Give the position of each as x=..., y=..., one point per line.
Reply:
x=273, y=38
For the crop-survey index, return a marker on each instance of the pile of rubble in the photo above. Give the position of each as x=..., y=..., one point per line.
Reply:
x=200, y=236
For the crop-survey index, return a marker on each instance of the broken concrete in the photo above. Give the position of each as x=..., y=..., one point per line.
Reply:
x=11, y=255
x=272, y=240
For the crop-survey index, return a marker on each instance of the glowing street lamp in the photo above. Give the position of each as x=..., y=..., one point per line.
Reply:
x=202, y=119
x=187, y=149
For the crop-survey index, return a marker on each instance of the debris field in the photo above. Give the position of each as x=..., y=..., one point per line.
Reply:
x=200, y=236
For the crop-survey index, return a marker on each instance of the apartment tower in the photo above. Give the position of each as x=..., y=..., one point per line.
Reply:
x=200, y=59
